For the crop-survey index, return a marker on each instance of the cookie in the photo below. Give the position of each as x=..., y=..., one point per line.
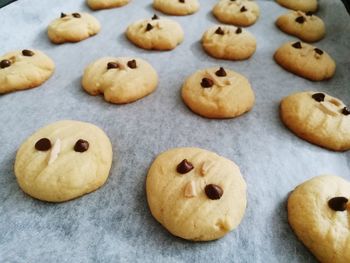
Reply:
x=229, y=42
x=63, y=160
x=196, y=194
x=318, y=118
x=306, y=26
x=218, y=93
x=176, y=7
x=155, y=33
x=319, y=212
x=120, y=80
x=24, y=69
x=104, y=4
x=237, y=12
x=73, y=28
x=305, y=61
x=299, y=5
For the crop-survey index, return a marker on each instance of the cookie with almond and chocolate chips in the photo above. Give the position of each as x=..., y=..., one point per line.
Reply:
x=196, y=194
x=319, y=213
x=176, y=7
x=104, y=4
x=305, y=60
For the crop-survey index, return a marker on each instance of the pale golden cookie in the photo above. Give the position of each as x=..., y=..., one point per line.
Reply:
x=120, y=80
x=318, y=118
x=302, y=5
x=319, y=213
x=196, y=194
x=73, y=28
x=24, y=69
x=305, y=60
x=155, y=33
x=218, y=93
x=238, y=12
x=63, y=160
x=306, y=26
x=229, y=42
x=103, y=4
x=176, y=7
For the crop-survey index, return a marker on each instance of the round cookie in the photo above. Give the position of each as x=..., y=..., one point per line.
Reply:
x=302, y=5
x=24, y=69
x=305, y=61
x=218, y=93
x=318, y=118
x=104, y=4
x=306, y=26
x=155, y=33
x=238, y=12
x=319, y=212
x=229, y=42
x=176, y=7
x=63, y=160
x=120, y=80
x=72, y=28
x=196, y=194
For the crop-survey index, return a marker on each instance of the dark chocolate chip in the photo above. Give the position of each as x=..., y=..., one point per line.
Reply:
x=338, y=203
x=297, y=45
x=149, y=27
x=300, y=19
x=132, y=64
x=112, y=65
x=155, y=17
x=309, y=13
x=184, y=167
x=182, y=1
x=63, y=15
x=318, y=51
x=243, y=9
x=5, y=63
x=207, y=83
x=319, y=97
x=81, y=146
x=43, y=145
x=219, y=31
x=221, y=72
x=345, y=111
x=213, y=191
x=238, y=30
x=76, y=15
x=27, y=53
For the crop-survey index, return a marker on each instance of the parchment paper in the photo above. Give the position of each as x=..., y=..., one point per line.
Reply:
x=114, y=224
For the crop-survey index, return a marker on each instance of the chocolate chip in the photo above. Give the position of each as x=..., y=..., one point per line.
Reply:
x=300, y=19
x=345, y=111
x=184, y=167
x=221, y=72
x=63, y=15
x=319, y=97
x=132, y=64
x=43, y=145
x=76, y=15
x=81, y=146
x=155, y=17
x=112, y=65
x=27, y=53
x=238, y=30
x=309, y=13
x=5, y=63
x=338, y=203
x=182, y=1
x=297, y=45
x=207, y=83
x=243, y=9
x=149, y=27
x=318, y=51
x=213, y=191
x=219, y=31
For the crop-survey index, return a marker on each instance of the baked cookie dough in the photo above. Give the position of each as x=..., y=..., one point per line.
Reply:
x=196, y=194
x=218, y=93
x=229, y=42
x=302, y=5
x=176, y=7
x=318, y=118
x=73, y=28
x=103, y=4
x=238, y=12
x=155, y=33
x=63, y=160
x=120, y=80
x=319, y=212
x=305, y=61
x=306, y=26
x=24, y=69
